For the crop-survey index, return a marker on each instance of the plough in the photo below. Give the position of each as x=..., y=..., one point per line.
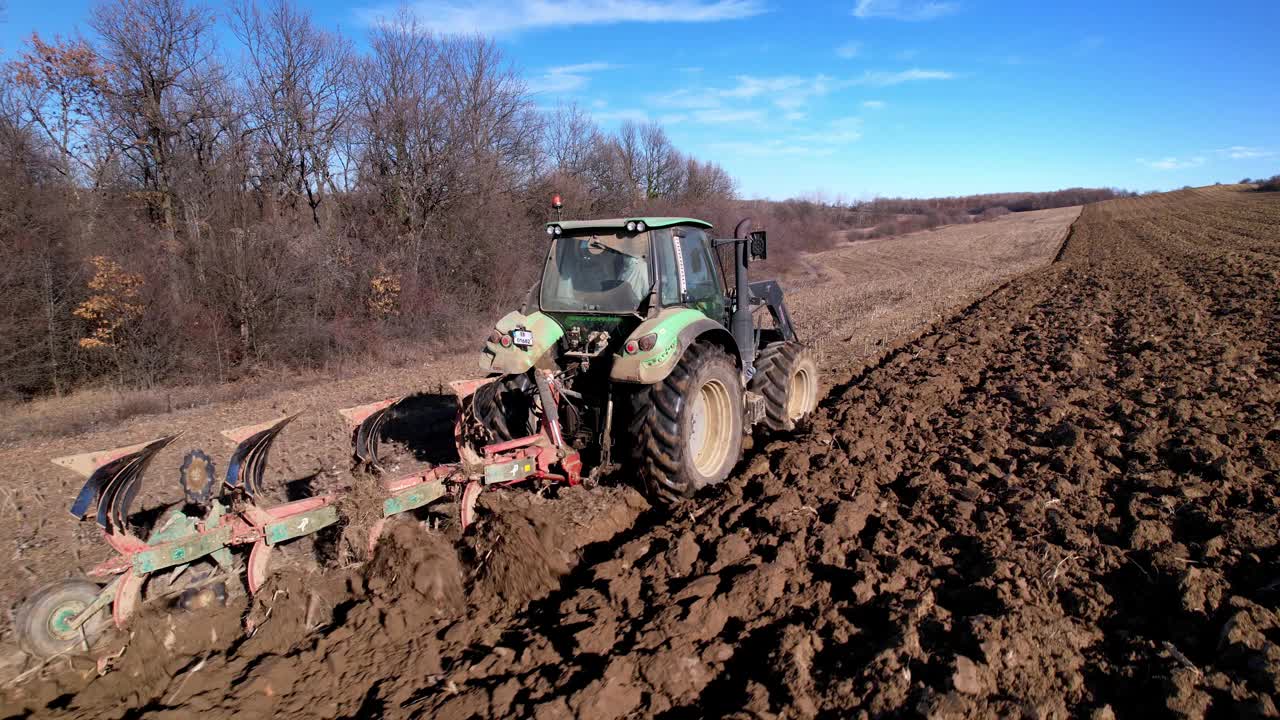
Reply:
x=198, y=543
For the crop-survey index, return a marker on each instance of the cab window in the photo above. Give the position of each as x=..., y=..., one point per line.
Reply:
x=668, y=277
x=701, y=281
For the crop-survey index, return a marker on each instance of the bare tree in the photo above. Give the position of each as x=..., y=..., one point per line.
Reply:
x=704, y=181
x=35, y=278
x=299, y=85
x=58, y=88
x=571, y=135
x=403, y=134
x=660, y=165
x=158, y=59
x=492, y=120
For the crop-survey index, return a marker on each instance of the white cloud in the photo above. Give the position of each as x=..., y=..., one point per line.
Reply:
x=726, y=116
x=688, y=99
x=849, y=50
x=566, y=77
x=1173, y=163
x=840, y=131
x=495, y=17
x=790, y=94
x=1242, y=152
x=885, y=79
x=816, y=144
x=904, y=9
x=613, y=116
x=769, y=148
x=787, y=92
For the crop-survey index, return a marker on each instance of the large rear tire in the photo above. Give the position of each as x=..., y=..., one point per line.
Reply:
x=787, y=377
x=687, y=429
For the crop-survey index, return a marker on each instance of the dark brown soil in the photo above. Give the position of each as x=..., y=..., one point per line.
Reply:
x=1060, y=503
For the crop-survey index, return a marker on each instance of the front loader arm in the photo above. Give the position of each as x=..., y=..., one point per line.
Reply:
x=769, y=292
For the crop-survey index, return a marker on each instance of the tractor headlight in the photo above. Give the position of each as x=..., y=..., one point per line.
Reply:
x=640, y=226
x=631, y=226
x=551, y=229
x=558, y=229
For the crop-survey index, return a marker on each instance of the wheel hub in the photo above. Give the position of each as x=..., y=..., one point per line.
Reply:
x=709, y=427
x=60, y=619
x=800, y=394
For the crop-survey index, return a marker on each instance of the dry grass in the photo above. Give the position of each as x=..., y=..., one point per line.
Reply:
x=858, y=297
x=85, y=410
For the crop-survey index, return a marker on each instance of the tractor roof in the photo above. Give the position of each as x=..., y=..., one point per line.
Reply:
x=621, y=223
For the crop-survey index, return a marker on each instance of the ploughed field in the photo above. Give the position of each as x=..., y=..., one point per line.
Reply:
x=883, y=289
x=1059, y=502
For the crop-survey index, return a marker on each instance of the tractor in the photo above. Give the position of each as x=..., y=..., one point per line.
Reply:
x=655, y=359
x=630, y=352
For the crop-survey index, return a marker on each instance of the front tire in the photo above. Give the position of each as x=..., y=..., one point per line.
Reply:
x=787, y=377
x=687, y=428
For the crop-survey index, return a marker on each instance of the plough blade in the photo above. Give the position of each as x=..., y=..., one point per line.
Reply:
x=114, y=478
x=249, y=461
x=367, y=422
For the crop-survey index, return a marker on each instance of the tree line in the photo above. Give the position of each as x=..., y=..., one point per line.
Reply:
x=172, y=210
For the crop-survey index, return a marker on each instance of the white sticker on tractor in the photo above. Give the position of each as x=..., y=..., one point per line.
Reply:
x=684, y=288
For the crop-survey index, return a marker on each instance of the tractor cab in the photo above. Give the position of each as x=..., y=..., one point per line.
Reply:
x=631, y=266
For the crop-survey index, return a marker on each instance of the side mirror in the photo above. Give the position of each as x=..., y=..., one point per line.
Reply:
x=757, y=246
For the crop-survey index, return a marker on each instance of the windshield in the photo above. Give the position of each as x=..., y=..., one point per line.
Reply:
x=606, y=273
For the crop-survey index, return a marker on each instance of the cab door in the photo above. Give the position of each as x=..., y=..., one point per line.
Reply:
x=688, y=273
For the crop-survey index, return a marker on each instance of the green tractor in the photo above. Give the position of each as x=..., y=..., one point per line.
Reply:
x=655, y=359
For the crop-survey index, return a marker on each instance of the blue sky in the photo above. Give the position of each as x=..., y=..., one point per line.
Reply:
x=885, y=97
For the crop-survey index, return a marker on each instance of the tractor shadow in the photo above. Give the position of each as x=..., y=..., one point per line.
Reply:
x=422, y=424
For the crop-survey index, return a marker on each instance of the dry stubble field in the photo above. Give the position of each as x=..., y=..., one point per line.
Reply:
x=1060, y=502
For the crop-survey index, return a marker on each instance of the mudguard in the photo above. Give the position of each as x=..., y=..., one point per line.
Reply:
x=677, y=329
x=514, y=360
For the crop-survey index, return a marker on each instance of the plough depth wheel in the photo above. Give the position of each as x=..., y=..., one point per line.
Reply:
x=44, y=622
